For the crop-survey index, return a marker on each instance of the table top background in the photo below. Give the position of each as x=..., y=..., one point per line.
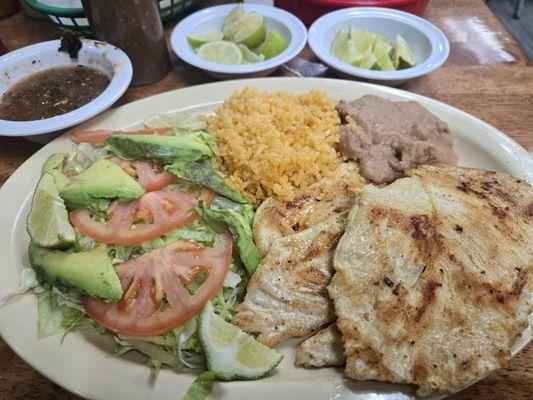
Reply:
x=486, y=75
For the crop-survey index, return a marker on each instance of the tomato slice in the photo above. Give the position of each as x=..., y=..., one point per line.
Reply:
x=100, y=135
x=151, y=215
x=158, y=275
x=149, y=175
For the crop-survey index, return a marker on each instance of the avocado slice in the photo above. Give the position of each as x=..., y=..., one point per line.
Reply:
x=91, y=188
x=90, y=272
x=158, y=148
x=201, y=173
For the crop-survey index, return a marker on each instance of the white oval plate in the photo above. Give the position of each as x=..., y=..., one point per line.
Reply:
x=21, y=63
x=85, y=366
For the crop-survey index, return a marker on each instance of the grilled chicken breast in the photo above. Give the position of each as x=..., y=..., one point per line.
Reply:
x=324, y=349
x=275, y=219
x=434, y=277
x=287, y=296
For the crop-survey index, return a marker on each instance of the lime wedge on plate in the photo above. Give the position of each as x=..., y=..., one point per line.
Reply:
x=382, y=51
x=249, y=56
x=233, y=16
x=403, y=55
x=249, y=29
x=232, y=353
x=273, y=45
x=221, y=51
x=48, y=224
x=211, y=36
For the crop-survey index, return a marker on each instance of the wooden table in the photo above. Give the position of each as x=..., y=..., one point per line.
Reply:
x=486, y=75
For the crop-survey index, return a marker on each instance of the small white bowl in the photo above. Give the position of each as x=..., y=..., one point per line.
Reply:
x=429, y=44
x=21, y=63
x=212, y=18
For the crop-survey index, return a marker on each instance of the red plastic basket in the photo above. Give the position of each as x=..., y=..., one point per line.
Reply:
x=309, y=10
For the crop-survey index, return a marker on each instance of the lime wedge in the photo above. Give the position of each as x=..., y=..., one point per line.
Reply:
x=368, y=61
x=48, y=224
x=249, y=56
x=403, y=55
x=211, y=36
x=364, y=40
x=221, y=51
x=232, y=353
x=345, y=49
x=382, y=51
x=249, y=30
x=233, y=16
x=273, y=45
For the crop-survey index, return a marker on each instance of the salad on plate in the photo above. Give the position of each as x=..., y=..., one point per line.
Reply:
x=134, y=234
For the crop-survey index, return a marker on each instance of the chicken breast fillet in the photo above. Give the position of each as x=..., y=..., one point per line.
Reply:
x=434, y=277
x=287, y=295
x=324, y=349
x=275, y=219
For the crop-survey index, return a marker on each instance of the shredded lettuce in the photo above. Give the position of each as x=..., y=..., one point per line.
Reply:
x=28, y=281
x=201, y=386
x=157, y=354
x=84, y=155
x=178, y=120
x=60, y=311
x=178, y=348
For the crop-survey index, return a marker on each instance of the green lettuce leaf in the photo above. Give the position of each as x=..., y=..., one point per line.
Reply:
x=201, y=386
x=201, y=173
x=241, y=229
x=198, y=233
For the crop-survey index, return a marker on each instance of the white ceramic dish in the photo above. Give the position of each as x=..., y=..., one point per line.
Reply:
x=429, y=44
x=21, y=63
x=84, y=365
x=212, y=18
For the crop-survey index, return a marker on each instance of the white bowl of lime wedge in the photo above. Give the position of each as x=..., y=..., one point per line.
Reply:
x=378, y=44
x=230, y=41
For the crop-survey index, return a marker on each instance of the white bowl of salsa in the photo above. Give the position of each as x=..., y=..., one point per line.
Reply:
x=41, y=65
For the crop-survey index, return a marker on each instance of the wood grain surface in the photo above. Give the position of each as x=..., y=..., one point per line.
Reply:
x=486, y=75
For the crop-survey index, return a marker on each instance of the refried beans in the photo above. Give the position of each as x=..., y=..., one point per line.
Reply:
x=387, y=137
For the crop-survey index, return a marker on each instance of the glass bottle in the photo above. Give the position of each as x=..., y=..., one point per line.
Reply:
x=135, y=27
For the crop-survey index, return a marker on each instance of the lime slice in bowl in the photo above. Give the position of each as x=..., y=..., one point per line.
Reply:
x=231, y=353
x=364, y=40
x=345, y=49
x=382, y=52
x=249, y=56
x=233, y=16
x=249, y=30
x=273, y=45
x=368, y=61
x=48, y=224
x=221, y=51
x=198, y=40
x=403, y=55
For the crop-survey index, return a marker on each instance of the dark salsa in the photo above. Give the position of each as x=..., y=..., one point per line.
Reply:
x=52, y=92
